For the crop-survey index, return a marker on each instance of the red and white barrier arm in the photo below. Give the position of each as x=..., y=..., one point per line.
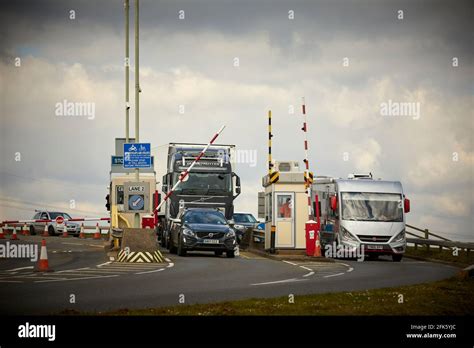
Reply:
x=186, y=172
x=52, y=220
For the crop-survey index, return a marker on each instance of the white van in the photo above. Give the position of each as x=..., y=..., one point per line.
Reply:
x=362, y=213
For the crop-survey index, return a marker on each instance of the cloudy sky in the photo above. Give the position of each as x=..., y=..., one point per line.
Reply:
x=347, y=58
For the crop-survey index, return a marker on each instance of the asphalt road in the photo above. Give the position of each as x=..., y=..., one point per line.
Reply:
x=81, y=269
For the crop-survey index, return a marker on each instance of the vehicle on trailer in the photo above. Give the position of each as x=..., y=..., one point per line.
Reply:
x=202, y=229
x=360, y=212
x=243, y=221
x=211, y=183
x=73, y=228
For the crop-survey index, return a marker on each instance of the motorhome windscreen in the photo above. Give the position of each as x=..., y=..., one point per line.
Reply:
x=205, y=184
x=368, y=206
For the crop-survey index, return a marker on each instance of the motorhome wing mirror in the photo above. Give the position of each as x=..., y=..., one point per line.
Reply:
x=176, y=221
x=406, y=205
x=334, y=203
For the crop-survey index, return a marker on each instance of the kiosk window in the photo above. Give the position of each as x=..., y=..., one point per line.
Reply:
x=284, y=206
x=119, y=194
x=268, y=207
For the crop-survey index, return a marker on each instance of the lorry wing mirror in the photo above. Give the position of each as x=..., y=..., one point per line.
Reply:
x=406, y=205
x=334, y=203
x=237, y=189
x=164, y=188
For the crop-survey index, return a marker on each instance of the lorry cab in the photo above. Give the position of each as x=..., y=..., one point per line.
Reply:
x=362, y=213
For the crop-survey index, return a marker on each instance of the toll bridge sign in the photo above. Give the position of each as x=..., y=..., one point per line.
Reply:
x=136, y=155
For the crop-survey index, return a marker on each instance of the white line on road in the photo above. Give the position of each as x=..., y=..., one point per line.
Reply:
x=291, y=263
x=333, y=275
x=309, y=274
x=167, y=260
x=102, y=264
x=306, y=268
x=63, y=280
x=18, y=269
x=281, y=281
x=156, y=270
x=170, y=265
x=10, y=281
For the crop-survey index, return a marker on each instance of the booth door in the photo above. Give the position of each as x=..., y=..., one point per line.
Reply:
x=284, y=216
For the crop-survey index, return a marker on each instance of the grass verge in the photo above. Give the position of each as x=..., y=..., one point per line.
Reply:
x=445, y=255
x=452, y=296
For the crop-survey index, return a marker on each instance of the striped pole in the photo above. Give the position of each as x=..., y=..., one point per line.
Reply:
x=186, y=172
x=306, y=160
x=270, y=136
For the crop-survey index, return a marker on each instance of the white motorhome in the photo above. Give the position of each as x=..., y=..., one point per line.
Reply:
x=362, y=213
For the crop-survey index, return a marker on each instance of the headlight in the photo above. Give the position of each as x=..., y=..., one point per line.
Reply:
x=239, y=227
x=230, y=234
x=399, y=237
x=188, y=232
x=345, y=234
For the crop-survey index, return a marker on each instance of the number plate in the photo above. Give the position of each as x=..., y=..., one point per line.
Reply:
x=211, y=241
x=376, y=247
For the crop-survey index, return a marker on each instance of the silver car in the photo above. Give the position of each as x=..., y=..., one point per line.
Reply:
x=73, y=228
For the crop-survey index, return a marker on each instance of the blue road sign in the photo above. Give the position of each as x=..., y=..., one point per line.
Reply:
x=136, y=155
x=136, y=202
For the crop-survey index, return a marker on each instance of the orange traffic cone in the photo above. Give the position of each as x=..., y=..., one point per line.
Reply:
x=317, y=249
x=81, y=234
x=26, y=230
x=45, y=232
x=97, y=232
x=14, y=235
x=2, y=236
x=65, y=235
x=43, y=264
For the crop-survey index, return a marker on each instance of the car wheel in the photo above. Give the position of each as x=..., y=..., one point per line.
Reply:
x=51, y=231
x=230, y=254
x=397, y=257
x=181, y=249
x=171, y=246
x=32, y=230
x=218, y=252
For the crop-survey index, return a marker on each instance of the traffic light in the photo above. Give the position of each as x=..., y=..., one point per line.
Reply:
x=107, y=202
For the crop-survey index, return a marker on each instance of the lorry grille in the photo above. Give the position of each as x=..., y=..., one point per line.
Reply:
x=374, y=239
x=215, y=235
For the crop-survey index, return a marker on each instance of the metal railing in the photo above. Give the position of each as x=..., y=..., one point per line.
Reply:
x=441, y=242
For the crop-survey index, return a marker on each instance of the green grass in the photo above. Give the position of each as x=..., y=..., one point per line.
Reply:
x=445, y=255
x=453, y=296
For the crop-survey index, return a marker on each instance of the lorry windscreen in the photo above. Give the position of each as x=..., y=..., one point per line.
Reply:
x=205, y=183
x=368, y=206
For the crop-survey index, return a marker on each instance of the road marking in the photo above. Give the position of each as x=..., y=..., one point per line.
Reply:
x=306, y=268
x=102, y=264
x=65, y=279
x=170, y=265
x=156, y=270
x=72, y=270
x=10, y=281
x=167, y=260
x=309, y=274
x=18, y=269
x=95, y=245
x=281, y=281
x=333, y=275
x=350, y=270
x=72, y=243
x=291, y=263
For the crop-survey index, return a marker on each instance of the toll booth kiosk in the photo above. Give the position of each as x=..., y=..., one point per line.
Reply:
x=285, y=206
